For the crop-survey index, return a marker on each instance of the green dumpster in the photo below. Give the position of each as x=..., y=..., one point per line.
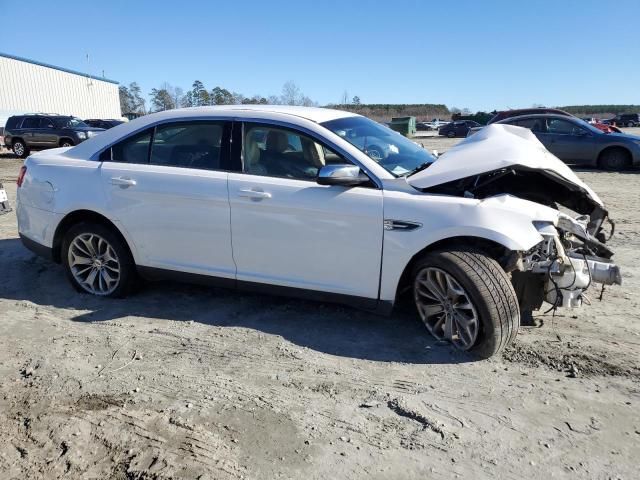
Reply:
x=404, y=125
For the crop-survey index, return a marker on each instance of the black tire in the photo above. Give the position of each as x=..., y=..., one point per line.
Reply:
x=489, y=289
x=66, y=143
x=451, y=134
x=614, y=159
x=128, y=274
x=20, y=149
x=630, y=124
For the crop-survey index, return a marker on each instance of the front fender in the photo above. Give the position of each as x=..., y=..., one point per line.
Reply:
x=504, y=219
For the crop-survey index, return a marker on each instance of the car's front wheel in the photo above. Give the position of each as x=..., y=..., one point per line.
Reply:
x=66, y=143
x=451, y=134
x=98, y=261
x=20, y=149
x=465, y=297
x=614, y=159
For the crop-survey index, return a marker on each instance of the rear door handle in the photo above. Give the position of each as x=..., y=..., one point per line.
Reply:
x=123, y=181
x=257, y=194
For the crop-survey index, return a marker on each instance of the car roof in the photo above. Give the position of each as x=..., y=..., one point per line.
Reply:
x=539, y=115
x=315, y=114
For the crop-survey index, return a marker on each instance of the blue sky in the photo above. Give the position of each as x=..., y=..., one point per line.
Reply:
x=475, y=54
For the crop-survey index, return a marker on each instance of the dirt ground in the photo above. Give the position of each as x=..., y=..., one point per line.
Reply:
x=181, y=381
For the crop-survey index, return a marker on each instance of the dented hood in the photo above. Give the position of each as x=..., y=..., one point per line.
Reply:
x=497, y=147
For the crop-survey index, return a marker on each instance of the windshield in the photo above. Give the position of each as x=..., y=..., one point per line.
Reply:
x=71, y=122
x=395, y=153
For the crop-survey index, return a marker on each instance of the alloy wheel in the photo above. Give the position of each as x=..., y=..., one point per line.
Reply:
x=446, y=308
x=94, y=264
x=18, y=149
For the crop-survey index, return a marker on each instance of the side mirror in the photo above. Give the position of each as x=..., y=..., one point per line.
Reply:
x=345, y=175
x=435, y=153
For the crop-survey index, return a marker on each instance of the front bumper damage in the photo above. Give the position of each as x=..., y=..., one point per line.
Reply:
x=563, y=266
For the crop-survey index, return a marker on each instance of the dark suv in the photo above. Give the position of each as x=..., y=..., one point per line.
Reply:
x=24, y=133
x=626, y=120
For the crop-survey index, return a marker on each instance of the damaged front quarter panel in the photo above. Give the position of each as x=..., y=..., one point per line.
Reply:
x=573, y=253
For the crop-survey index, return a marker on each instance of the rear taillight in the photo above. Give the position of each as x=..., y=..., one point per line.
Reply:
x=23, y=172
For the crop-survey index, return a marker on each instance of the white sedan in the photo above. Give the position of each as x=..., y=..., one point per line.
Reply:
x=284, y=200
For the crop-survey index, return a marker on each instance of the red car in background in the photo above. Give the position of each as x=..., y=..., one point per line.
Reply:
x=539, y=110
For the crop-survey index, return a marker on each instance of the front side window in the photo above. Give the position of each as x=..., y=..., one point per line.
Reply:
x=395, y=153
x=274, y=151
x=190, y=145
x=563, y=127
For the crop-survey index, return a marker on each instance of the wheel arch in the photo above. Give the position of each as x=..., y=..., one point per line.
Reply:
x=610, y=148
x=83, y=216
x=493, y=249
x=62, y=140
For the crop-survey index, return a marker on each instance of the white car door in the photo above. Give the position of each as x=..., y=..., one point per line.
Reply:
x=167, y=187
x=290, y=231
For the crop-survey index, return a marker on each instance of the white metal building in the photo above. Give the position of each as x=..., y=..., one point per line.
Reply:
x=31, y=86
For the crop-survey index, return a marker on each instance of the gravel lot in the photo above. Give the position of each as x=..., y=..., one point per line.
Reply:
x=181, y=381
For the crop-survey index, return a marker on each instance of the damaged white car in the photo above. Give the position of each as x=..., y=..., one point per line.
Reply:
x=278, y=199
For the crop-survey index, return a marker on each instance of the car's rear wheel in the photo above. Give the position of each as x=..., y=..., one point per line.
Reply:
x=98, y=261
x=630, y=124
x=451, y=134
x=465, y=297
x=20, y=149
x=614, y=159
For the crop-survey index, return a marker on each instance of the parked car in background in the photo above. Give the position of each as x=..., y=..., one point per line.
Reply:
x=625, y=120
x=504, y=114
x=436, y=123
x=24, y=133
x=459, y=128
x=105, y=124
x=575, y=141
x=310, y=210
x=423, y=127
x=542, y=110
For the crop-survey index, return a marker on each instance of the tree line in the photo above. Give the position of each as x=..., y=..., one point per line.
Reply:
x=168, y=97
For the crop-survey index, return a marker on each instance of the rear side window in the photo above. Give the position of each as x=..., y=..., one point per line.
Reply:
x=190, y=145
x=202, y=145
x=30, y=122
x=13, y=122
x=134, y=149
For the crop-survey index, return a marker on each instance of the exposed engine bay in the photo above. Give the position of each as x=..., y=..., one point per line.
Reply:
x=572, y=255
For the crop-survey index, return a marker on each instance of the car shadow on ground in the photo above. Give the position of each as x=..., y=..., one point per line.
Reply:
x=327, y=328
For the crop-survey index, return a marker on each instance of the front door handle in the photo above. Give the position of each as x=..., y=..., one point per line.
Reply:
x=123, y=181
x=257, y=194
